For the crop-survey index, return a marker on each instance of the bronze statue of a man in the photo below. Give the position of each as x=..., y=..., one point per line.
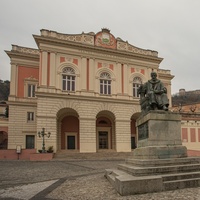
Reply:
x=153, y=94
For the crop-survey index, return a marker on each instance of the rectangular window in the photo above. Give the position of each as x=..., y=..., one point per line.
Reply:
x=184, y=134
x=192, y=135
x=105, y=87
x=135, y=90
x=30, y=116
x=101, y=86
x=64, y=82
x=31, y=90
x=30, y=141
x=68, y=83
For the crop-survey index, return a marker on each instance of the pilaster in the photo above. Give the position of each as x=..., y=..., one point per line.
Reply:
x=43, y=75
x=13, y=80
x=52, y=73
x=87, y=135
x=83, y=73
x=123, y=135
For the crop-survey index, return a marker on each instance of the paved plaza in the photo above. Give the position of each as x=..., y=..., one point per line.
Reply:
x=70, y=179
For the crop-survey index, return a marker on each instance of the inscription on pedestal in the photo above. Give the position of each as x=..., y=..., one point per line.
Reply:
x=143, y=132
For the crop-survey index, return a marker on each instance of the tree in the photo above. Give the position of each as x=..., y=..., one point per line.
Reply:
x=190, y=97
x=4, y=90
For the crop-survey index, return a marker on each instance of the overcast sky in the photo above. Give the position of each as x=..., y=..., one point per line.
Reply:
x=171, y=27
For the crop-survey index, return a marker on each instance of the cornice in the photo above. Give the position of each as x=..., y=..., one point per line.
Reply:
x=85, y=98
x=103, y=38
x=97, y=49
x=20, y=103
x=13, y=54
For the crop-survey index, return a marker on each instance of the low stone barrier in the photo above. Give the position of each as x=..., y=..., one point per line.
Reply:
x=41, y=156
x=11, y=154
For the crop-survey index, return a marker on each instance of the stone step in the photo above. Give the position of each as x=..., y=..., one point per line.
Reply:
x=180, y=184
x=140, y=171
x=127, y=184
x=111, y=174
x=163, y=162
x=181, y=176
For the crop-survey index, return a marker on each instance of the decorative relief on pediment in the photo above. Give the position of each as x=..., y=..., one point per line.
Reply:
x=121, y=45
x=25, y=50
x=105, y=65
x=80, y=38
x=68, y=59
x=105, y=39
x=137, y=70
x=88, y=39
x=30, y=78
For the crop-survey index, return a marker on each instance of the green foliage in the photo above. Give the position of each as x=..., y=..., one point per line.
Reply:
x=4, y=90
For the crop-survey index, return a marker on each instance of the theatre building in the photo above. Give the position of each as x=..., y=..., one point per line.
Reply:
x=82, y=88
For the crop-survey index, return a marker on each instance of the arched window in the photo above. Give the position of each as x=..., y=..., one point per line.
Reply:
x=105, y=83
x=68, y=79
x=137, y=81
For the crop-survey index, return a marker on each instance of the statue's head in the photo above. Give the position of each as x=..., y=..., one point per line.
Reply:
x=153, y=75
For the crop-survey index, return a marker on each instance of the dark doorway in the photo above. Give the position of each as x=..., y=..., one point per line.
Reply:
x=71, y=142
x=103, y=140
x=30, y=141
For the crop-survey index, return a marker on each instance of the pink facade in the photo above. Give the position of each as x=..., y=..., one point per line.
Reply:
x=23, y=73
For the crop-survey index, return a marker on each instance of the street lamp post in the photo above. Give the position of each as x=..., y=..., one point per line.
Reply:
x=42, y=134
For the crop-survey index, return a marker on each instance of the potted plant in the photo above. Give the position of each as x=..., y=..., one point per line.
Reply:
x=50, y=149
x=40, y=150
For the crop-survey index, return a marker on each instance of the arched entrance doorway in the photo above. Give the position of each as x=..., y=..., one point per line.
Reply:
x=68, y=126
x=134, y=135
x=105, y=131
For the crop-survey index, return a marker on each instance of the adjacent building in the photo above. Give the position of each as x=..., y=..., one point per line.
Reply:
x=82, y=88
x=190, y=124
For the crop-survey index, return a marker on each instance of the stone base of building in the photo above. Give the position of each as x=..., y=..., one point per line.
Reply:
x=160, y=162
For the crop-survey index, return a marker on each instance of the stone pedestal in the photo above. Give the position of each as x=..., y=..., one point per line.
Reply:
x=159, y=136
x=160, y=161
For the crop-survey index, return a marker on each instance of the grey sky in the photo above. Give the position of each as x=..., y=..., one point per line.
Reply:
x=171, y=27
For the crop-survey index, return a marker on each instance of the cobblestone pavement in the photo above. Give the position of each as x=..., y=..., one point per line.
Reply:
x=80, y=179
